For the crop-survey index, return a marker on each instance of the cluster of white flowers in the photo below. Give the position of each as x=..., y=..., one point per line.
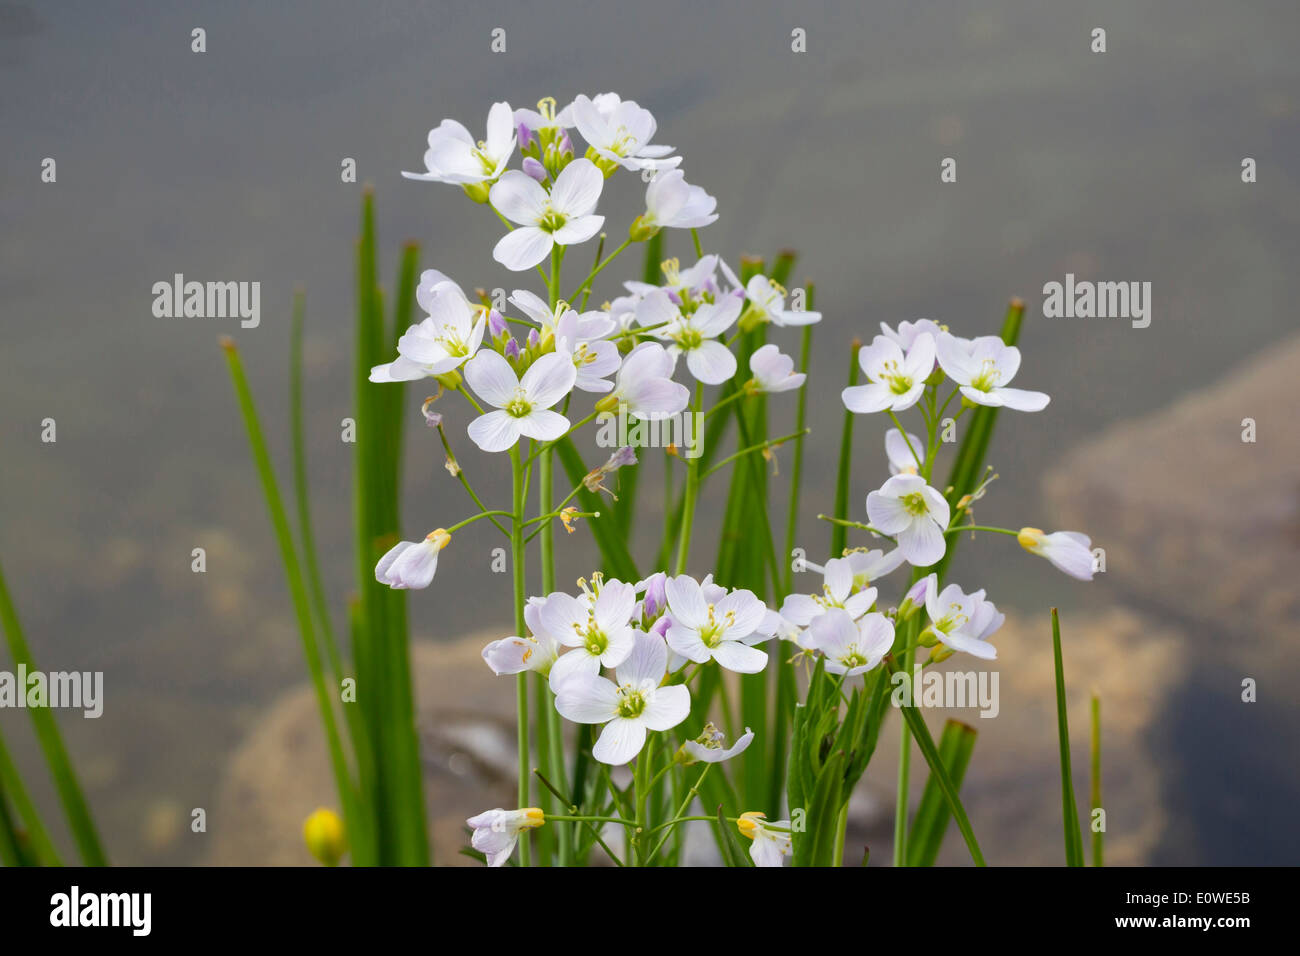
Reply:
x=622, y=655
x=627, y=351
x=647, y=634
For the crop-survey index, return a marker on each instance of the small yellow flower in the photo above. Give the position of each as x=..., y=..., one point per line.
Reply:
x=323, y=833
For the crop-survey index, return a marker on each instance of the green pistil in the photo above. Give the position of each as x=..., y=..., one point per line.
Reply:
x=914, y=503
x=988, y=377
x=551, y=221
x=519, y=406
x=631, y=703
x=689, y=339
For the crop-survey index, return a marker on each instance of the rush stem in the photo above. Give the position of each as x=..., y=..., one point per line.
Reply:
x=521, y=681
x=691, y=493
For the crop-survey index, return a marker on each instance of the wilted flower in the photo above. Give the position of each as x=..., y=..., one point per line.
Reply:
x=411, y=564
x=595, y=479
x=497, y=831
x=1070, y=551
x=770, y=847
x=711, y=747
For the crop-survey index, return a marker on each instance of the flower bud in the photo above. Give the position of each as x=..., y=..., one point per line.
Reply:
x=324, y=836
x=477, y=191
x=641, y=229
x=534, y=169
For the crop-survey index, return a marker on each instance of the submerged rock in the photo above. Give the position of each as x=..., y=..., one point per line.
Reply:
x=1012, y=791
x=280, y=774
x=1193, y=518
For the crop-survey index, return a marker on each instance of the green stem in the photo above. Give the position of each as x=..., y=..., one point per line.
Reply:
x=521, y=682
x=597, y=270
x=485, y=514
x=760, y=446
x=692, y=492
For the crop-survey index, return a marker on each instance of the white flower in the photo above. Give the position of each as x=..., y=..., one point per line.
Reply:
x=521, y=405
x=634, y=705
x=982, y=368
x=497, y=831
x=851, y=647
x=722, y=631
x=915, y=514
x=905, y=454
x=1070, y=551
x=837, y=592
x=599, y=632
x=767, y=303
x=867, y=566
x=907, y=332
x=894, y=381
x=593, y=359
x=962, y=621
x=773, y=370
x=411, y=564
x=620, y=132
x=644, y=384
x=711, y=746
x=694, y=335
x=444, y=340
x=699, y=279
x=672, y=203
x=514, y=655
x=546, y=119
x=562, y=217
x=587, y=327
x=771, y=847
x=454, y=157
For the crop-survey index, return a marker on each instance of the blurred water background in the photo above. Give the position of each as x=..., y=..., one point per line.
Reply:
x=226, y=166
